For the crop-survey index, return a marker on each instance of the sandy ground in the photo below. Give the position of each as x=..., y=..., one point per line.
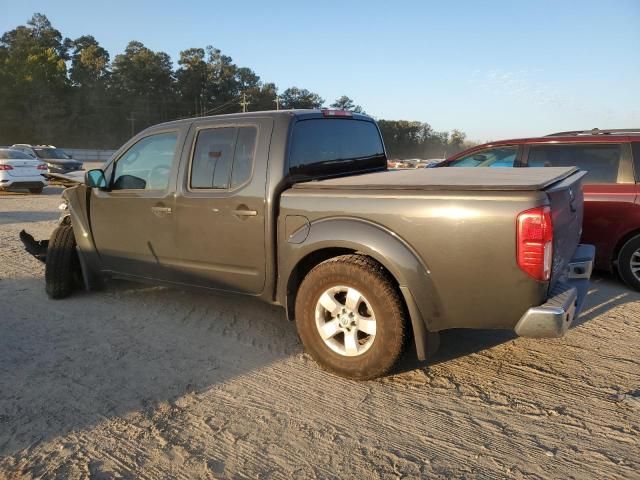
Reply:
x=143, y=382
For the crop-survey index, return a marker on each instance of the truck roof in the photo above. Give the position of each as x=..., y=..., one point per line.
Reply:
x=300, y=113
x=459, y=178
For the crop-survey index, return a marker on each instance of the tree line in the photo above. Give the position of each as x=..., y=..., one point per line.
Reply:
x=71, y=92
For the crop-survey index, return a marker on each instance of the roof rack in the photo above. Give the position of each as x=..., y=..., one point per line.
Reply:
x=597, y=131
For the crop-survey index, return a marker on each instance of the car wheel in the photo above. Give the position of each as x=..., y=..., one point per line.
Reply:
x=36, y=191
x=62, y=266
x=629, y=262
x=350, y=317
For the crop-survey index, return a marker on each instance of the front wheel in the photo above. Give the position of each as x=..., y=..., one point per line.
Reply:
x=62, y=266
x=36, y=190
x=350, y=317
x=629, y=262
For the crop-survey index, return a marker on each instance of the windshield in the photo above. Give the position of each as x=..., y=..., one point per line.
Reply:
x=55, y=153
x=14, y=155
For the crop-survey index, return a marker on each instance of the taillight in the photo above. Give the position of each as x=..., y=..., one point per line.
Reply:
x=6, y=167
x=336, y=113
x=535, y=242
x=42, y=166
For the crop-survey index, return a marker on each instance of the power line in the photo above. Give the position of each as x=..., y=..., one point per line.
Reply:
x=221, y=107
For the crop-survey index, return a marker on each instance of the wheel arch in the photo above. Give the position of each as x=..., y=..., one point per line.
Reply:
x=339, y=236
x=621, y=243
x=78, y=217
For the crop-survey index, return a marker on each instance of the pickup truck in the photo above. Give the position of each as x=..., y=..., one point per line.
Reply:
x=298, y=208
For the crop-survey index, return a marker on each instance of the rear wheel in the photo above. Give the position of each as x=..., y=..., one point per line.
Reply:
x=350, y=317
x=629, y=262
x=36, y=191
x=62, y=266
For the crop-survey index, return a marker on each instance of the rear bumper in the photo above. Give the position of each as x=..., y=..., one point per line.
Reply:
x=553, y=318
x=11, y=183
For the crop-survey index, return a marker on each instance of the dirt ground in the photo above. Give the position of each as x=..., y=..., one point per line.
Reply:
x=144, y=382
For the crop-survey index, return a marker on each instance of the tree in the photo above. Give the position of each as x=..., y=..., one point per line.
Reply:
x=34, y=81
x=89, y=62
x=295, y=97
x=91, y=103
x=144, y=83
x=345, y=103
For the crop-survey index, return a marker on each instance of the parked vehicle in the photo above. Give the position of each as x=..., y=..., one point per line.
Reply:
x=611, y=190
x=21, y=171
x=56, y=159
x=298, y=208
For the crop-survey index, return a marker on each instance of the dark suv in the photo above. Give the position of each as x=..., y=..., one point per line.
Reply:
x=612, y=204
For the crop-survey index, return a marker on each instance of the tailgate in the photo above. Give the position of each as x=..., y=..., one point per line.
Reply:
x=567, y=201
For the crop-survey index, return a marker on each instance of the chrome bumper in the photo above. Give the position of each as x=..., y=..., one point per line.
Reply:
x=553, y=318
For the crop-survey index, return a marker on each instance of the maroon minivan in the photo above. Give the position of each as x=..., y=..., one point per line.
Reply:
x=611, y=188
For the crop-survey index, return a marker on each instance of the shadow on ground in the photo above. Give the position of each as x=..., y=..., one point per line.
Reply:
x=52, y=190
x=67, y=365
x=604, y=294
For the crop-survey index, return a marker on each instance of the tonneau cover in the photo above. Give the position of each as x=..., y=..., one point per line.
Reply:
x=454, y=178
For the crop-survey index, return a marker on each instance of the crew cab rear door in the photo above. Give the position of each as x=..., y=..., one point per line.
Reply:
x=221, y=205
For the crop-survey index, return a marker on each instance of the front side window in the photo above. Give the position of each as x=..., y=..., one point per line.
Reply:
x=329, y=147
x=223, y=157
x=600, y=161
x=635, y=149
x=147, y=164
x=492, y=157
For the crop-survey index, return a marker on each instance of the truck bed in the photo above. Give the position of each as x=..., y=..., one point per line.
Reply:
x=463, y=178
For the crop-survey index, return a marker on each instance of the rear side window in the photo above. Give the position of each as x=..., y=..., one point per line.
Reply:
x=600, y=161
x=223, y=157
x=492, y=157
x=329, y=147
x=635, y=147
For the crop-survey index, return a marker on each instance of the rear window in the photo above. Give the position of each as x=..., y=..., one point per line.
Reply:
x=330, y=147
x=14, y=155
x=600, y=161
x=51, y=153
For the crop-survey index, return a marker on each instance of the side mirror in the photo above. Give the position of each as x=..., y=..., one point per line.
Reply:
x=95, y=178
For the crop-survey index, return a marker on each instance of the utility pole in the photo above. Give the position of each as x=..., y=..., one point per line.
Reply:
x=132, y=119
x=244, y=103
x=277, y=102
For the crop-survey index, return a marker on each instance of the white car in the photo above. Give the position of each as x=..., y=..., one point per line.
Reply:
x=19, y=170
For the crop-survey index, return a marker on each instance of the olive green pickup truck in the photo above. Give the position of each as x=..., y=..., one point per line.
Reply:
x=299, y=209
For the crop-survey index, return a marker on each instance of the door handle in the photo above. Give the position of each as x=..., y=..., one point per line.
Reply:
x=243, y=212
x=160, y=210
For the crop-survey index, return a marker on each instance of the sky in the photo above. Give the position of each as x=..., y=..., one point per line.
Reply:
x=493, y=69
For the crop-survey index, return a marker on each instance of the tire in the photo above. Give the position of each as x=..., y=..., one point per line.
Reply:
x=630, y=253
x=36, y=191
x=62, y=264
x=374, y=348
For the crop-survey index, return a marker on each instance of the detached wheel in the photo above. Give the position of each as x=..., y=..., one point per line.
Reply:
x=62, y=264
x=36, y=191
x=350, y=317
x=629, y=262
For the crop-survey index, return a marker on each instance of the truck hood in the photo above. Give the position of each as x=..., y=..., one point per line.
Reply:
x=459, y=178
x=76, y=177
